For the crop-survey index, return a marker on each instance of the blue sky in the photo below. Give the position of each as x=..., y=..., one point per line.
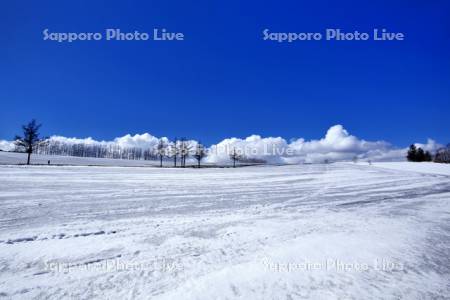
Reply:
x=223, y=80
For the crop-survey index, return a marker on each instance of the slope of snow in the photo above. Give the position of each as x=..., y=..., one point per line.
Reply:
x=422, y=167
x=14, y=158
x=338, y=231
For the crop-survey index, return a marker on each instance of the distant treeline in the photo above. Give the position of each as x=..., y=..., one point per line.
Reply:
x=417, y=154
x=51, y=147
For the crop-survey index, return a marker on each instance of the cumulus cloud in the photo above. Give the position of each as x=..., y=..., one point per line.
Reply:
x=269, y=149
x=431, y=145
x=6, y=145
x=72, y=141
x=143, y=141
x=337, y=145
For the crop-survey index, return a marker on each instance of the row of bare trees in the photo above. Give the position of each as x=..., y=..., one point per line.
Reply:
x=52, y=147
x=443, y=155
x=178, y=150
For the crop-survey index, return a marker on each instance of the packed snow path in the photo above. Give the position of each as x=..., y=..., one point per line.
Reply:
x=344, y=231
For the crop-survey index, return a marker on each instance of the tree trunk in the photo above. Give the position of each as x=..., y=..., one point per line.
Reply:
x=234, y=163
x=199, y=163
x=160, y=161
x=29, y=156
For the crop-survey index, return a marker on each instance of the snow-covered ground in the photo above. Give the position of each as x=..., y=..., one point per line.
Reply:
x=14, y=158
x=421, y=167
x=337, y=231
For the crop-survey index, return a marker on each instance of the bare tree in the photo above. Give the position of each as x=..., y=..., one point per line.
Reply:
x=443, y=155
x=174, y=151
x=30, y=138
x=200, y=153
x=235, y=157
x=184, y=149
x=161, y=149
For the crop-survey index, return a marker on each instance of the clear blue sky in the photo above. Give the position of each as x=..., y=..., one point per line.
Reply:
x=224, y=80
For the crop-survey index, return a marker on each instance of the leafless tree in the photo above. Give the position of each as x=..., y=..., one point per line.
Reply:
x=200, y=153
x=174, y=151
x=29, y=139
x=161, y=149
x=443, y=155
x=184, y=149
x=235, y=157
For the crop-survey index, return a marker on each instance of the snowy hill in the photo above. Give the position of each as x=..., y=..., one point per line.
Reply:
x=420, y=167
x=12, y=158
x=320, y=231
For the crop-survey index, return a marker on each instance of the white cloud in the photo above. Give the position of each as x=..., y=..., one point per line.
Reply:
x=270, y=149
x=71, y=141
x=6, y=145
x=337, y=145
x=143, y=141
x=431, y=145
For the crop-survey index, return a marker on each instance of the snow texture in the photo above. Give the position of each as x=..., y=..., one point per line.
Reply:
x=321, y=231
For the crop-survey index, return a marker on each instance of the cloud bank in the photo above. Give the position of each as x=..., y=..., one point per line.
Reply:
x=6, y=145
x=337, y=145
x=143, y=141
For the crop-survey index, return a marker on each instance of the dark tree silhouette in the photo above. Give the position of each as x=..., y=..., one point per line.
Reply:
x=29, y=139
x=412, y=153
x=427, y=156
x=417, y=154
x=235, y=157
x=200, y=153
x=420, y=156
